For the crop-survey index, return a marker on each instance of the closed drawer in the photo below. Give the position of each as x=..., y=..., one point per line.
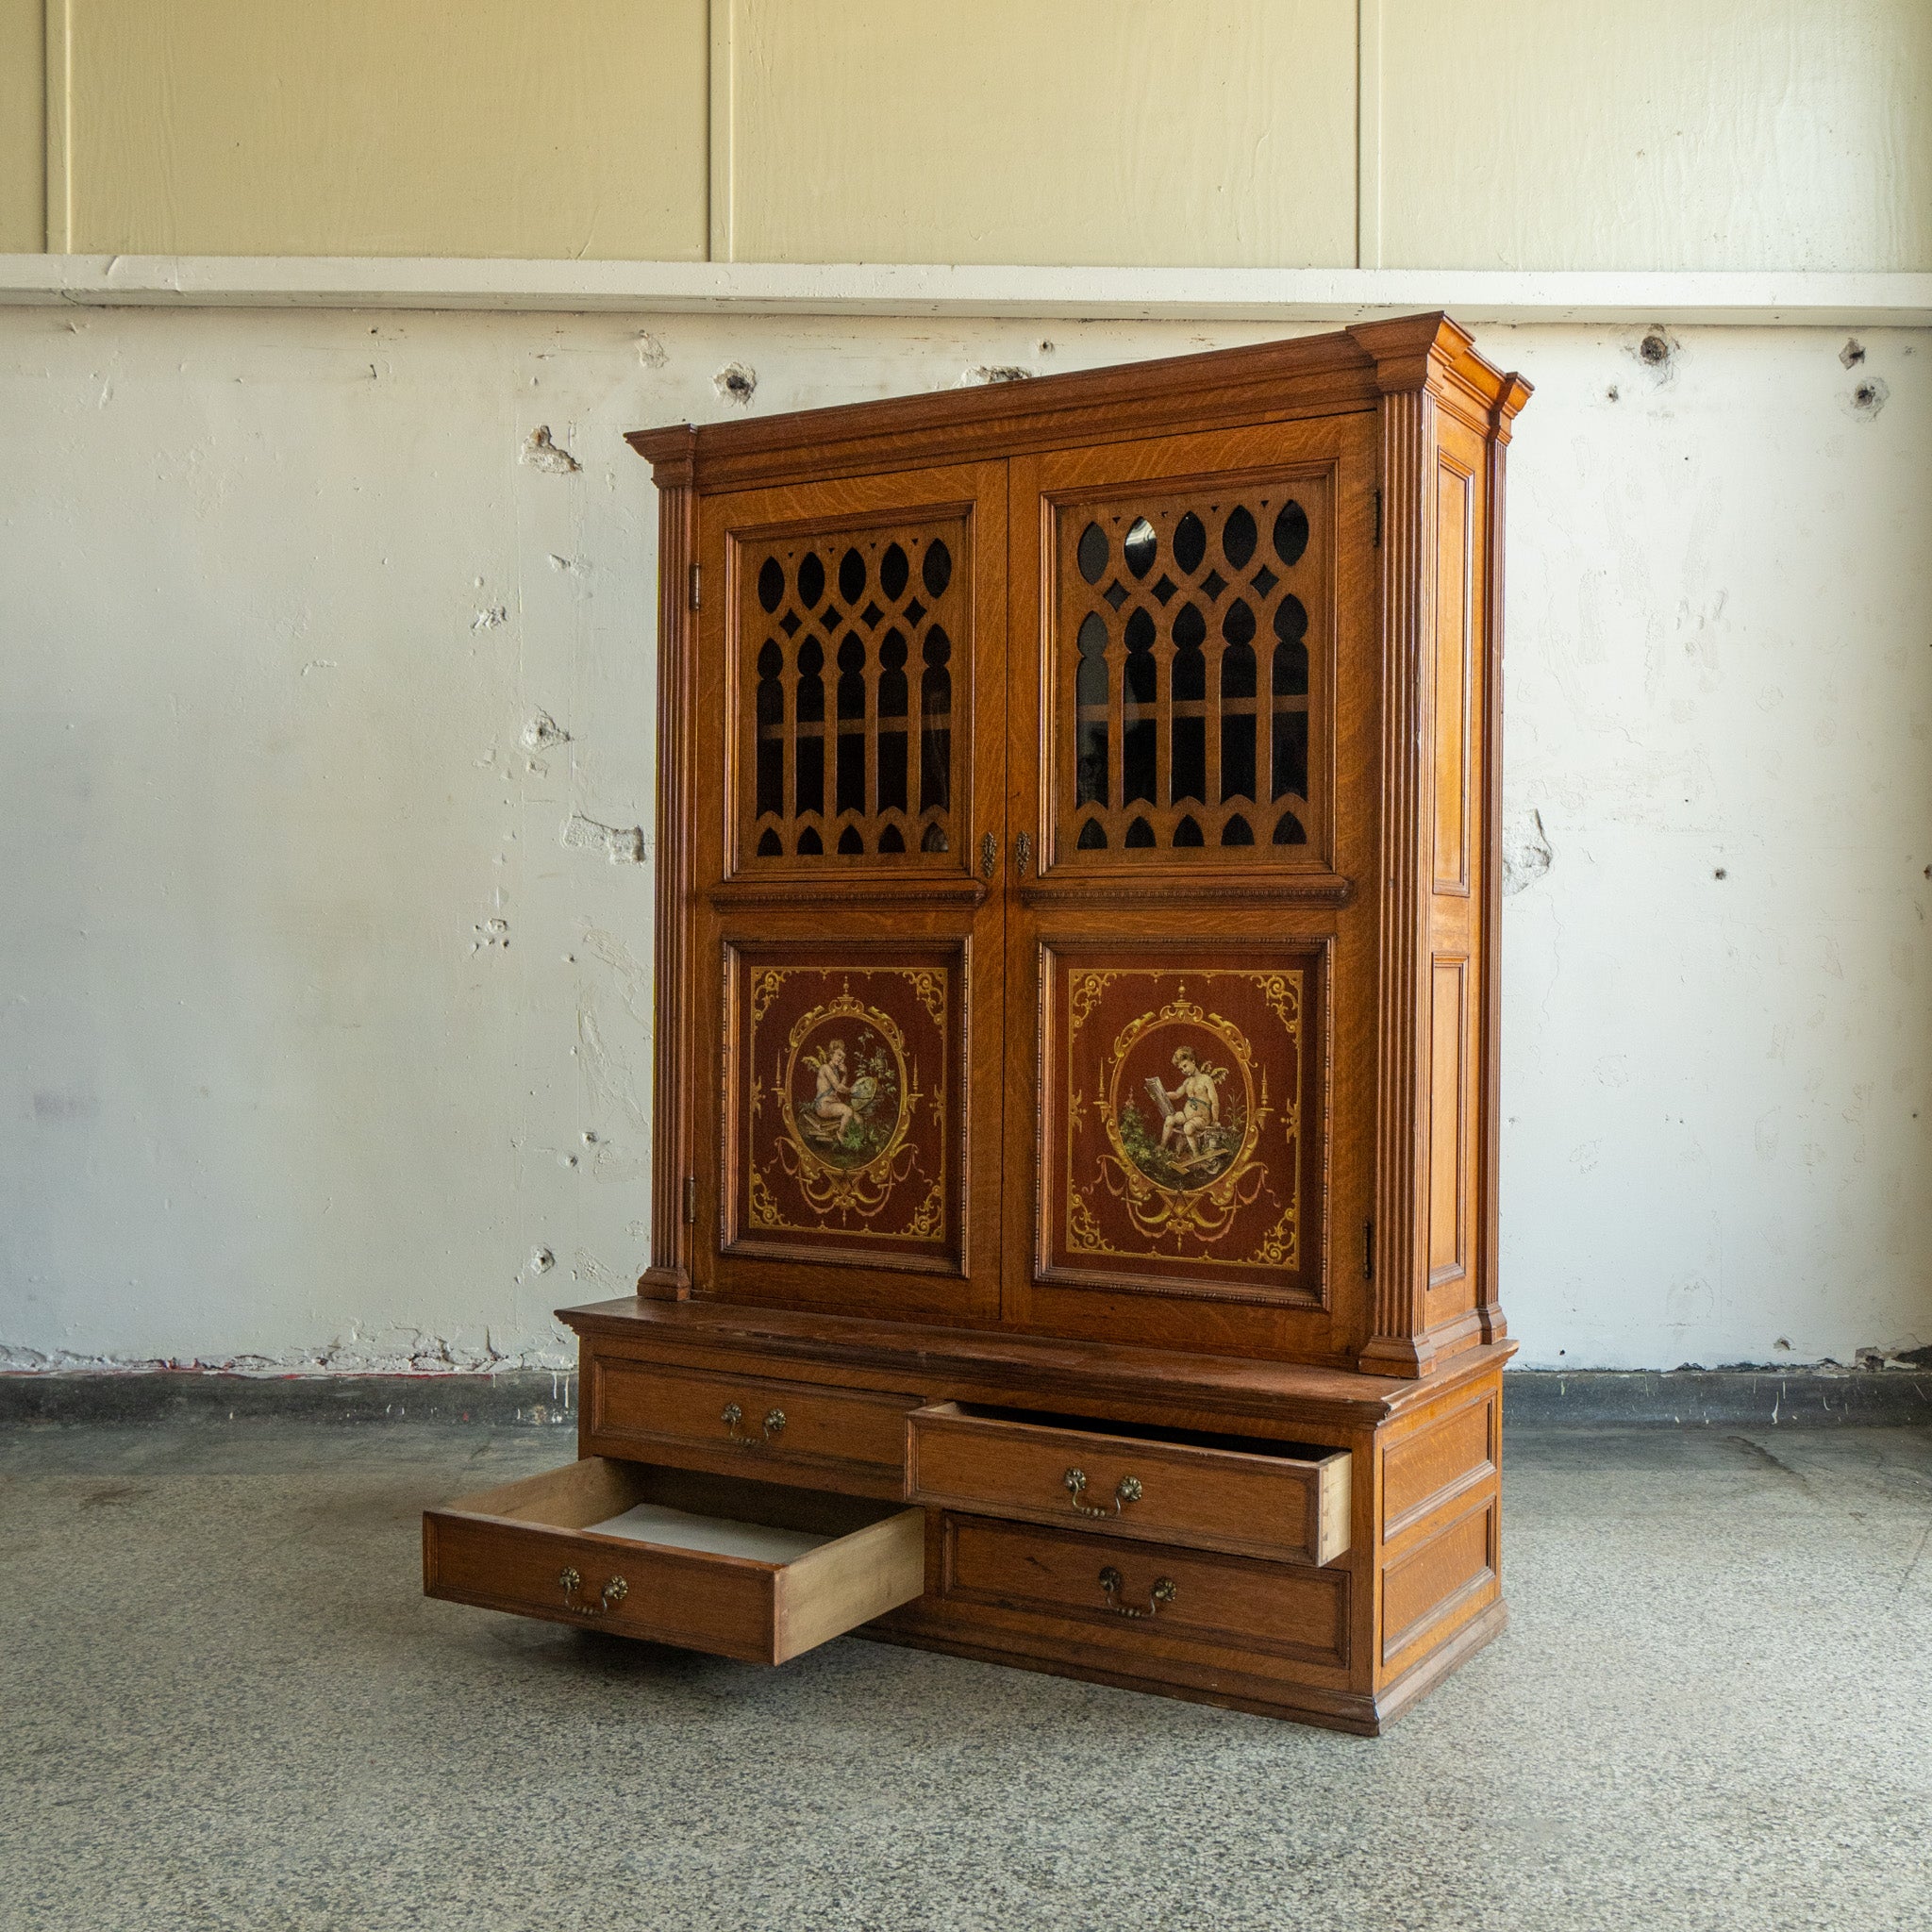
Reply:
x=1285, y=1501
x=738, y=1567
x=1148, y=1600
x=789, y=1431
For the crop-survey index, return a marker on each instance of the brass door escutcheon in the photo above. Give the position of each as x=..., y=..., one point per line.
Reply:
x=989, y=855
x=613, y=1591
x=731, y=1415
x=1023, y=856
x=1124, y=1492
x=1162, y=1592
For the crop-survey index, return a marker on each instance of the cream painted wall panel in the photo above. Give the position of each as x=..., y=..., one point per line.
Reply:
x=463, y=128
x=23, y=127
x=1128, y=131
x=1656, y=134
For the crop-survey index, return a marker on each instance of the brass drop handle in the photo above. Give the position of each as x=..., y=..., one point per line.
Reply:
x=1162, y=1592
x=1124, y=1492
x=731, y=1415
x=613, y=1593
x=989, y=855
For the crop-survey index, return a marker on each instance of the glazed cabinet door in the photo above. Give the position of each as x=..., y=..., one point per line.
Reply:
x=847, y=957
x=1190, y=964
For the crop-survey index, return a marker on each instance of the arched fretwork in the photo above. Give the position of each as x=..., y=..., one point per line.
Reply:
x=1186, y=676
x=851, y=654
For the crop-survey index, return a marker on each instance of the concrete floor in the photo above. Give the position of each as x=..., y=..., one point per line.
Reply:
x=222, y=1703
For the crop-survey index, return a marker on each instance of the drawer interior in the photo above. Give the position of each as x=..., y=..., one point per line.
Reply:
x=678, y=1508
x=1146, y=1432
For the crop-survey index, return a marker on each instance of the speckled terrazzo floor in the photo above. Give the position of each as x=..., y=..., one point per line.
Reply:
x=222, y=1703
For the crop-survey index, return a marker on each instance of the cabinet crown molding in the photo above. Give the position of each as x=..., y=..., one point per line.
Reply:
x=1317, y=374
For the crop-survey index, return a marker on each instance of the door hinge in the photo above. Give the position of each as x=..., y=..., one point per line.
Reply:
x=1368, y=1251
x=696, y=593
x=1378, y=539
x=691, y=1200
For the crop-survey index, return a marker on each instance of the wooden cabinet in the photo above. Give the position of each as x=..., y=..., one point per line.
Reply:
x=1076, y=926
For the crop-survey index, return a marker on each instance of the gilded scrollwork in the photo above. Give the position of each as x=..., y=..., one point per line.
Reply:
x=1283, y=992
x=1281, y=1246
x=1083, y=1232
x=931, y=988
x=1084, y=988
x=930, y=1221
x=764, y=1210
x=765, y=983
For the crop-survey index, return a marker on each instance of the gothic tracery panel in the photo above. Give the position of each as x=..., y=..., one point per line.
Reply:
x=1187, y=674
x=1184, y=1137
x=853, y=672
x=843, y=1103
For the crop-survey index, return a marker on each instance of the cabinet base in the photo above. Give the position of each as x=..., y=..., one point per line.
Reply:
x=1358, y=1714
x=1296, y=1542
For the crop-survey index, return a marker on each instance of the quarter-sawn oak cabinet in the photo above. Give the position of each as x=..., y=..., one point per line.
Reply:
x=1074, y=1234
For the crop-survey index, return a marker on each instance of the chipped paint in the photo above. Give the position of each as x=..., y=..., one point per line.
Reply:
x=541, y=453
x=381, y=1352
x=736, y=383
x=620, y=844
x=1527, y=854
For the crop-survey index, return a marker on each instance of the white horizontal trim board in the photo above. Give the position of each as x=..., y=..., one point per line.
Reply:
x=1224, y=294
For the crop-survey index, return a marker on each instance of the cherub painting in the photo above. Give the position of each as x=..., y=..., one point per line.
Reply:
x=1199, y=1128
x=853, y=1103
x=1194, y=1120
x=828, y=1109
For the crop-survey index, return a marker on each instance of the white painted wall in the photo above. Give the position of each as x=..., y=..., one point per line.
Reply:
x=314, y=1026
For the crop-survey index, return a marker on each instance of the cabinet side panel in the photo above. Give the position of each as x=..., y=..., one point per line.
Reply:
x=1453, y=1089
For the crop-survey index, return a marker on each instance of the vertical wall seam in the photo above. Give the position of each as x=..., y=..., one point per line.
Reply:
x=57, y=97
x=719, y=242
x=1367, y=134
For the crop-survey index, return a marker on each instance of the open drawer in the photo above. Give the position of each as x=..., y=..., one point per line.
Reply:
x=1246, y=1494
x=715, y=1563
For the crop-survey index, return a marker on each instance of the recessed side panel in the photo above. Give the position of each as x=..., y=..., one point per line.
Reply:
x=1453, y=673
x=1184, y=1135
x=844, y=1135
x=1448, y=1096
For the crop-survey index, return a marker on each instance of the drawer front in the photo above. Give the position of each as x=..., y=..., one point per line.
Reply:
x=631, y=1591
x=785, y=1431
x=526, y=1548
x=1148, y=1600
x=1289, y=1509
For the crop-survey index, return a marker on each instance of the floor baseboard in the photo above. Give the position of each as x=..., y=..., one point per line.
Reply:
x=1710, y=1398
x=535, y=1398
x=531, y=1397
